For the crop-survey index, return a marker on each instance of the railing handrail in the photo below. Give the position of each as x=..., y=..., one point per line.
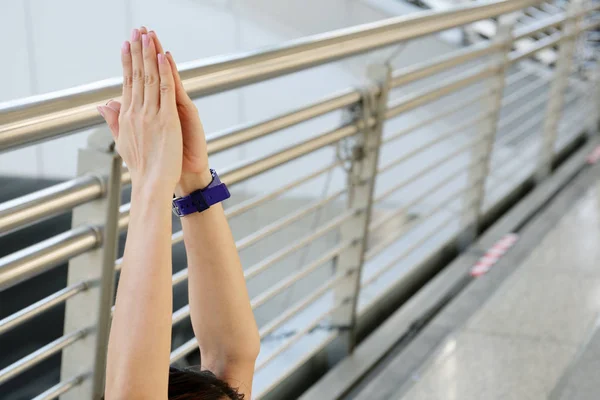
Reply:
x=51, y=115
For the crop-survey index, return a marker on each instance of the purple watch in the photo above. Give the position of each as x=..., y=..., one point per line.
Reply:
x=201, y=199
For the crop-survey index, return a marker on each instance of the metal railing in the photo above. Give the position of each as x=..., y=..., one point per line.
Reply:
x=493, y=132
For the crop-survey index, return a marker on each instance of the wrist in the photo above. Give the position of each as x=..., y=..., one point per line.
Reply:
x=156, y=191
x=190, y=182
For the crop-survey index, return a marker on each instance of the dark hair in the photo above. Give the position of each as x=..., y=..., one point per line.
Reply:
x=193, y=384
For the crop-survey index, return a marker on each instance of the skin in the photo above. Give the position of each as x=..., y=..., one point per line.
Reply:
x=158, y=133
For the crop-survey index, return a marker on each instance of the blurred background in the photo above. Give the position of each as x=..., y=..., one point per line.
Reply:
x=484, y=102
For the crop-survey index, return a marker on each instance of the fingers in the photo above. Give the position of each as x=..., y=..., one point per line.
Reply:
x=137, y=61
x=115, y=105
x=111, y=116
x=157, y=44
x=151, y=78
x=127, y=74
x=180, y=94
x=167, y=84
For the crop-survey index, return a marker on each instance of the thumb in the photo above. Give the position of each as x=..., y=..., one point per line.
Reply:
x=111, y=116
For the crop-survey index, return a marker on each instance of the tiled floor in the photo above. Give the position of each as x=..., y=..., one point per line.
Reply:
x=524, y=341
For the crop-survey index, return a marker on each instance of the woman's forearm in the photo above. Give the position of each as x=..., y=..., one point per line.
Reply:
x=220, y=309
x=141, y=328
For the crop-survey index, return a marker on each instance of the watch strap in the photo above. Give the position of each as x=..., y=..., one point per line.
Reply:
x=201, y=199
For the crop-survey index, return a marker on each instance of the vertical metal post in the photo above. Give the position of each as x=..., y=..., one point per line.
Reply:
x=558, y=86
x=92, y=308
x=361, y=181
x=482, y=152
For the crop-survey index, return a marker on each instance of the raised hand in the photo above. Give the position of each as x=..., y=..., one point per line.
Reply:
x=146, y=125
x=195, y=172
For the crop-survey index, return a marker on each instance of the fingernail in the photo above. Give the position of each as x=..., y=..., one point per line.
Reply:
x=135, y=35
x=145, y=40
x=161, y=58
x=125, y=48
x=100, y=110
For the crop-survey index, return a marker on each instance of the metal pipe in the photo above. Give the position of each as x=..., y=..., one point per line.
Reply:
x=238, y=135
x=48, y=202
x=522, y=92
x=61, y=388
x=261, y=266
x=435, y=141
x=297, y=336
x=436, y=117
x=180, y=314
x=40, y=355
x=439, y=90
x=540, y=45
x=406, y=252
x=442, y=63
x=299, y=306
x=285, y=221
x=244, y=206
x=51, y=115
x=250, y=168
x=401, y=210
x=516, y=77
x=521, y=112
x=40, y=306
x=290, y=280
x=539, y=26
x=183, y=350
x=526, y=126
x=373, y=251
x=434, y=165
x=45, y=255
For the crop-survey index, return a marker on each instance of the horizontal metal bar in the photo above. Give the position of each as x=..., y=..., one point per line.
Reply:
x=51, y=115
x=262, y=265
x=439, y=90
x=517, y=76
x=182, y=275
x=180, y=314
x=523, y=91
x=48, y=202
x=40, y=355
x=436, y=117
x=295, y=277
x=282, y=318
x=238, y=135
x=291, y=368
x=184, y=350
x=442, y=63
x=539, y=26
x=287, y=220
x=586, y=26
x=521, y=112
x=501, y=174
x=447, y=135
x=531, y=122
x=391, y=238
x=61, y=388
x=297, y=336
x=250, y=168
x=45, y=255
x=539, y=45
x=436, y=164
x=407, y=251
x=244, y=206
x=376, y=224
x=40, y=306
